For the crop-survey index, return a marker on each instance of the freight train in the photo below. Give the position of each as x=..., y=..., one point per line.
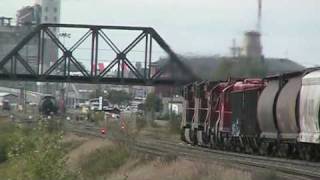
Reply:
x=274, y=116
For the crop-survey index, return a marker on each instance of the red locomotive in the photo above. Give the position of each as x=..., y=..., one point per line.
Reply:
x=276, y=116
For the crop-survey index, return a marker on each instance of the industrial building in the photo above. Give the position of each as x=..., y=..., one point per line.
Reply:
x=29, y=15
x=12, y=32
x=252, y=47
x=51, y=10
x=10, y=35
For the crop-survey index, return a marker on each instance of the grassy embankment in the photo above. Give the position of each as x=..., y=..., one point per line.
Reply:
x=40, y=153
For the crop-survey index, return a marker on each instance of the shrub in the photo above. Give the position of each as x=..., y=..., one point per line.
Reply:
x=3, y=152
x=140, y=122
x=37, y=154
x=6, y=130
x=96, y=116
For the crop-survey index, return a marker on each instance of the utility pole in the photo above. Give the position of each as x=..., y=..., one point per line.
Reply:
x=65, y=87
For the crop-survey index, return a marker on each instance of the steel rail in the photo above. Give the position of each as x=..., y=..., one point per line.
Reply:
x=163, y=147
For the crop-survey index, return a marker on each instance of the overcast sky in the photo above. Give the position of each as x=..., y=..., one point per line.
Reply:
x=291, y=28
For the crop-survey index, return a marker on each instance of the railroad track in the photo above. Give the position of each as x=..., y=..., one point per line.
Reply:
x=295, y=168
x=163, y=147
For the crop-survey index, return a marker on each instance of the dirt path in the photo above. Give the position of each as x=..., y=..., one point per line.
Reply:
x=176, y=170
x=90, y=144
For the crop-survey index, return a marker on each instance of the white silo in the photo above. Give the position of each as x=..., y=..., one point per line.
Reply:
x=37, y=2
x=50, y=11
x=252, y=47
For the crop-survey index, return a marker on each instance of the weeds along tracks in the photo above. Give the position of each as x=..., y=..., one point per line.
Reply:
x=163, y=147
x=292, y=167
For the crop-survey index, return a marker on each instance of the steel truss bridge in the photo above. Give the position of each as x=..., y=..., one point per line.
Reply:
x=172, y=71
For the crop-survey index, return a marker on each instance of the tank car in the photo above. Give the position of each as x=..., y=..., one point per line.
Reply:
x=48, y=105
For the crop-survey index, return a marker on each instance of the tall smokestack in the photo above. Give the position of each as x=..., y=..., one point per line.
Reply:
x=259, y=15
x=37, y=2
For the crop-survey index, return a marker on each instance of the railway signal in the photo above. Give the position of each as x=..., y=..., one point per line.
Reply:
x=123, y=125
x=103, y=130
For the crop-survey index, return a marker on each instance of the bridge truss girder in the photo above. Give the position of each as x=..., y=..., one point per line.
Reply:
x=178, y=72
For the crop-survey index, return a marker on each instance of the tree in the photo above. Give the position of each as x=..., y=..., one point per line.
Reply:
x=224, y=70
x=118, y=97
x=242, y=68
x=37, y=154
x=153, y=104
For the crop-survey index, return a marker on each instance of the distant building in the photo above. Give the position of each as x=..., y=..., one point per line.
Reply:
x=29, y=15
x=51, y=10
x=11, y=98
x=172, y=105
x=5, y=21
x=252, y=47
x=43, y=11
x=162, y=90
x=10, y=36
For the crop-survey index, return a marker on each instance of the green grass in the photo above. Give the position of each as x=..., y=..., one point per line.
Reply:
x=6, y=130
x=33, y=154
x=104, y=161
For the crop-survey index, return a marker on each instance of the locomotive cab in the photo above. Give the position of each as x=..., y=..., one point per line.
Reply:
x=48, y=105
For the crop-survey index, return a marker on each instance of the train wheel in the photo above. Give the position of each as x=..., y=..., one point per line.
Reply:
x=312, y=153
x=200, y=138
x=283, y=150
x=294, y=151
x=306, y=152
x=307, y=155
x=226, y=144
x=206, y=139
x=187, y=135
x=238, y=148
x=234, y=145
x=272, y=149
x=194, y=137
x=301, y=151
x=262, y=149
x=248, y=149
x=182, y=134
x=212, y=141
x=317, y=152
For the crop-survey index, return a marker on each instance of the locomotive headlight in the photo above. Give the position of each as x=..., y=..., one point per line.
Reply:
x=11, y=116
x=68, y=118
x=49, y=117
x=30, y=117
